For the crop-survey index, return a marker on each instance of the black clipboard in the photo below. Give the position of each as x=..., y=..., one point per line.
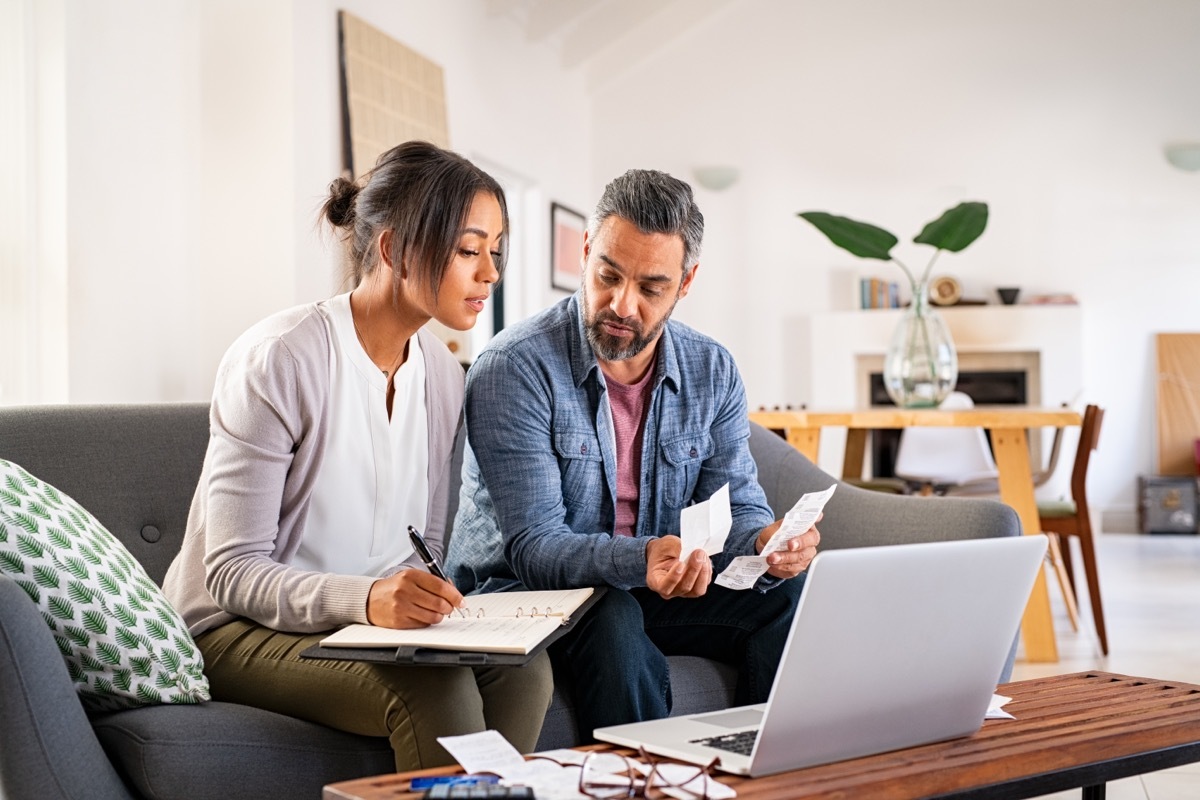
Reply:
x=431, y=657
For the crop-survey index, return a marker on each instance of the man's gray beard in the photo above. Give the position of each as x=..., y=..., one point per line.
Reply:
x=606, y=347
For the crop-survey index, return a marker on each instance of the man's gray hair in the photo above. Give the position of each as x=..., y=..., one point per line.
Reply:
x=656, y=203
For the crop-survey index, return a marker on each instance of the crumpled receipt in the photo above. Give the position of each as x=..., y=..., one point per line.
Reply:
x=743, y=571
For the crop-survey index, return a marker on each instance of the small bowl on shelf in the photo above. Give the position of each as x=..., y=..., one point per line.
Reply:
x=1008, y=295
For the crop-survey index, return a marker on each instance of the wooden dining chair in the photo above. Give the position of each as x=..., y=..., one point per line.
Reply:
x=1072, y=517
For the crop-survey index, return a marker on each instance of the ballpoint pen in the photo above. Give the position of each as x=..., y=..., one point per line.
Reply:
x=426, y=556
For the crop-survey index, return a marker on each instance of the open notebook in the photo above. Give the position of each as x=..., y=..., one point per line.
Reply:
x=502, y=622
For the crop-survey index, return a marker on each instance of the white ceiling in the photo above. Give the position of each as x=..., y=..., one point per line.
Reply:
x=604, y=37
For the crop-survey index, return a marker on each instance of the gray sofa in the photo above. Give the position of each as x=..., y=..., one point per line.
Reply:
x=135, y=468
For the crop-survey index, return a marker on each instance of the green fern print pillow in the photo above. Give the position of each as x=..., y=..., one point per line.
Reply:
x=125, y=646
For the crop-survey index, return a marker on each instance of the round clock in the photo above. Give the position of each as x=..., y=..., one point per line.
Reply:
x=944, y=291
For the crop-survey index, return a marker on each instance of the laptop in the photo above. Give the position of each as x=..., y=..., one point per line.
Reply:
x=890, y=647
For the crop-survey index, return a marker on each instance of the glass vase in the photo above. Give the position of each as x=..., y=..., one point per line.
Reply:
x=921, y=366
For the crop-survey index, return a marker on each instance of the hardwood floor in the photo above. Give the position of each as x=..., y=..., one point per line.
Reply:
x=1151, y=591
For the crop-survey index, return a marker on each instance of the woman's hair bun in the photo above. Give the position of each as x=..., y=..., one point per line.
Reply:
x=339, y=208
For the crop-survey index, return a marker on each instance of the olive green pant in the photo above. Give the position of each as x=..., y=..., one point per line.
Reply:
x=412, y=706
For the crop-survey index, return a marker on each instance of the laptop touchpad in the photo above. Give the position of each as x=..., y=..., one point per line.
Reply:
x=737, y=718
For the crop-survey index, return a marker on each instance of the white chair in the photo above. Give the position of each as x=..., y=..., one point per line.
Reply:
x=941, y=460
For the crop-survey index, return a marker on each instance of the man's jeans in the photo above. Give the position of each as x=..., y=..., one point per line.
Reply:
x=616, y=655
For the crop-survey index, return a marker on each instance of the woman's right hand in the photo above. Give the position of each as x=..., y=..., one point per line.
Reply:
x=411, y=598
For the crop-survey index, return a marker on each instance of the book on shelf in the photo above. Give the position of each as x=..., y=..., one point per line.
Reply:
x=878, y=293
x=515, y=623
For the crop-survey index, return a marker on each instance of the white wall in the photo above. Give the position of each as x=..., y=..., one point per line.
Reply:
x=201, y=138
x=1055, y=113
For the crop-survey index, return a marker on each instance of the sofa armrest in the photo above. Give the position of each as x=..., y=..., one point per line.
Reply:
x=49, y=748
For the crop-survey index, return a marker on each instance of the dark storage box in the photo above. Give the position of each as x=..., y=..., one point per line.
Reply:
x=1167, y=504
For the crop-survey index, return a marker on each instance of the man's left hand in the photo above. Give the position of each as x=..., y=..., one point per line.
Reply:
x=795, y=558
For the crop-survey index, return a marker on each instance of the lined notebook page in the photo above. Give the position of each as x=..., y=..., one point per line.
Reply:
x=511, y=622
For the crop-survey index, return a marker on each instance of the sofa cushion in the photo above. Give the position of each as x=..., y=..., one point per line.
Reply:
x=221, y=750
x=124, y=645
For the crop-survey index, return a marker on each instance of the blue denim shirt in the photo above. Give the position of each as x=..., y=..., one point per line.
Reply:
x=541, y=462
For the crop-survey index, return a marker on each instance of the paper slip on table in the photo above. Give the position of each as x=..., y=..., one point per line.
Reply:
x=1070, y=731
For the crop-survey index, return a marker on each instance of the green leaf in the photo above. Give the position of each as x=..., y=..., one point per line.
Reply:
x=51, y=494
x=76, y=566
x=75, y=671
x=88, y=554
x=127, y=639
x=15, y=485
x=157, y=630
x=165, y=681
x=102, y=687
x=124, y=615
x=51, y=623
x=122, y=679
x=957, y=228
x=108, y=583
x=109, y=653
x=61, y=608
x=165, y=616
x=135, y=603
x=79, y=592
x=38, y=510
x=8, y=498
x=148, y=695
x=141, y=666
x=91, y=664
x=58, y=538
x=46, y=577
x=27, y=545
x=12, y=563
x=172, y=660
x=184, y=645
x=95, y=622
x=859, y=238
x=79, y=636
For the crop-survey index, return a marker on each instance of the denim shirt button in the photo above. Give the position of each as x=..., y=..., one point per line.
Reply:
x=583, y=449
x=693, y=453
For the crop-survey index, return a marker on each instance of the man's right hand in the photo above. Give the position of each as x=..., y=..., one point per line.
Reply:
x=671, y=577
x=411, y=598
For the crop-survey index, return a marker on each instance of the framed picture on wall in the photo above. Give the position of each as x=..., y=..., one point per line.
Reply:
x=566, y=247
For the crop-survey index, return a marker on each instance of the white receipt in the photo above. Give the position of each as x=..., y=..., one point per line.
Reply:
x=743, y=571
x=486, y=751
x=705, y=526
x=996, y=708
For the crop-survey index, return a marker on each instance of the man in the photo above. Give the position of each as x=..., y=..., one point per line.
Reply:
x=591, y=425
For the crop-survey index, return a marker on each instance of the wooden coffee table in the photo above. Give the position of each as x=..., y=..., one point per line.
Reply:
x=1070, y=731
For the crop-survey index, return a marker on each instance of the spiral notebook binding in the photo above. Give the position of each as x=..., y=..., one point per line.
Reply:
x=479, y=613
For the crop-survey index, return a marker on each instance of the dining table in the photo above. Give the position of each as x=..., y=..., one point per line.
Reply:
x=1008, y=427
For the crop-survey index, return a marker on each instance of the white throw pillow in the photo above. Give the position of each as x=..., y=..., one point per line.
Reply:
x=125, y=646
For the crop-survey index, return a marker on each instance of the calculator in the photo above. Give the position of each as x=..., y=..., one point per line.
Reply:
x=479, y=791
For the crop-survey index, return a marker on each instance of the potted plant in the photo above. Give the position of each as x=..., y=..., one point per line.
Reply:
x=920, y=367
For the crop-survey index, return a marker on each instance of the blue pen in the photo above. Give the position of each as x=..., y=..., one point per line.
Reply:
x=424, y=553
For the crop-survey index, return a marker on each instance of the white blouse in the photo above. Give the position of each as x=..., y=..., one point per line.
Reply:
x=374, y=480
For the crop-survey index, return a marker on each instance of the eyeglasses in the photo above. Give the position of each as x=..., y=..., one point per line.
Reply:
x=609, y=776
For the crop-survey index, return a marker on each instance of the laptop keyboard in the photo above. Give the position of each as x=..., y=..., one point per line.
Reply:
x=741, y=742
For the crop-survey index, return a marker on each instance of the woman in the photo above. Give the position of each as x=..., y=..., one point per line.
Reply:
x=332, y=429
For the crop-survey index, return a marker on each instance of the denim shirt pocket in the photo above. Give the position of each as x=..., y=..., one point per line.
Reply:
x=682, y=457
x=580, y=462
